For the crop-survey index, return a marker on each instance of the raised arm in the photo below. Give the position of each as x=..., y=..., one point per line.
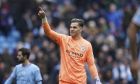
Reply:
x=47, y=29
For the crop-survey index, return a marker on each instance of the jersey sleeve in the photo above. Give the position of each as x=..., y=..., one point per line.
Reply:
x=38, y=77
x=90, y=56
x=11, y=77
x=56, y=37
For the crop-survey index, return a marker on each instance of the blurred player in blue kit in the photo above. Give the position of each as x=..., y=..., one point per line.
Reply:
x=26, y=72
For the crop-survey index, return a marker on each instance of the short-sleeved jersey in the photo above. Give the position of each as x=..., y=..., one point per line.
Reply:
x=29, y=74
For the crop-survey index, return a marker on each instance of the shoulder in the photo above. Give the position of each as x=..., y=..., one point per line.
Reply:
x=18, y=66
x=86, y=42
x=85, y=45
x=65, y=36
x=35, y=67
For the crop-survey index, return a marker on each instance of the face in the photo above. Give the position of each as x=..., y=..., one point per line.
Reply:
x=20, y=57
x=75, y=29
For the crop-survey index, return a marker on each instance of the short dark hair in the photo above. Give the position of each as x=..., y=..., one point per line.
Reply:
x=79, y=21
x=25, y=52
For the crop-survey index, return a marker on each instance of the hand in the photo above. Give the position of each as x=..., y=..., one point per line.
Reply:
x=41, y=13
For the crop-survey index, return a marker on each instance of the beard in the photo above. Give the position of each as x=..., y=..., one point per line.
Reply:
x=21, y=61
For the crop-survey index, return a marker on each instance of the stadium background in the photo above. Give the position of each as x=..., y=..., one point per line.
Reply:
x=106, y=26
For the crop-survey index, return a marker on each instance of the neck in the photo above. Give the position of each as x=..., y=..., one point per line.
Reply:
x=26, y=62
x=77, y=37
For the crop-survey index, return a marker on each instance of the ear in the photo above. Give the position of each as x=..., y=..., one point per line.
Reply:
x=81, y=29
x=25, y=56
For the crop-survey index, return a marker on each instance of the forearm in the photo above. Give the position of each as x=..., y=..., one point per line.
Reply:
x=132, y=37
x=46, y=26
x=133, y=48
x=93, y=71
x=94, y=74
x=48, y=31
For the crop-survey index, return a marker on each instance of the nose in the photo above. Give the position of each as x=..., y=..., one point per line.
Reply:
x=17, y=56
x=71, y=28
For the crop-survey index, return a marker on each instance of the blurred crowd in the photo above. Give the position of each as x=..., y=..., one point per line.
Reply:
x=106, y=23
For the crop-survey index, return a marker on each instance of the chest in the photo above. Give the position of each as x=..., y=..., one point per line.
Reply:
x=76, y=50
x=77, y=47
x=24, y=74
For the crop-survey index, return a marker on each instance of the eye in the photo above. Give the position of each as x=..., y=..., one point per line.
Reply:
x=74, y=27
x=19, y=55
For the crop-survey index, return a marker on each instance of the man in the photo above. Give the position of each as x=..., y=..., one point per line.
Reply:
x=132, y=31
x=75, y=52
x=26, y=72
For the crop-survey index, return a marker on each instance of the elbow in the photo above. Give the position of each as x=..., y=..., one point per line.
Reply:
x=47, y=30
x=48, y=33
x=129, y=32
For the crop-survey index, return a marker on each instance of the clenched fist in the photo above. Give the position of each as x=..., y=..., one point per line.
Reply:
x=41, y=13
